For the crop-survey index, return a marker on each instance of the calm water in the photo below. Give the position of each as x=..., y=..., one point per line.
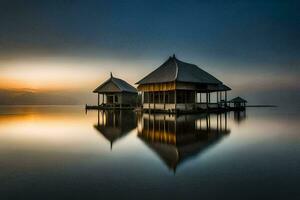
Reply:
x=64, y=153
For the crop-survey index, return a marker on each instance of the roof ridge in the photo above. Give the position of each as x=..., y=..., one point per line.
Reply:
x=176, y=73
x=170, y=58
x=113, y=80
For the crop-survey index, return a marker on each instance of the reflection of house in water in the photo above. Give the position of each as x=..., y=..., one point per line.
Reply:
x=239, y=116
x=113, y=125
x=177, y=138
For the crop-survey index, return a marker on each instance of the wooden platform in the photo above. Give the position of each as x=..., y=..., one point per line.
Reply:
x=210, y=110
x=101, y=107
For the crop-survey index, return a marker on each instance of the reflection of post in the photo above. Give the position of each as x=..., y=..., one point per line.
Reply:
x=148, y=95
x=153, y=124
x=221, y=127
x=154, y=100
x=148, y=125
x=98, y=117
x=114, y=119
x=164, y=125
x=209, y=121
x=206, y=117
x=225, y=121
x=217, y=122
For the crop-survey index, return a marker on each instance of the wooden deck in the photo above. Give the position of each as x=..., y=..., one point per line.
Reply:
x=210, y=110
x=106, y=107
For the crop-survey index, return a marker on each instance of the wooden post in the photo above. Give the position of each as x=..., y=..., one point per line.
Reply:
x=120, y=99
x=158, y=97
x=218, y=98
x=221, y=98
x=175, y=100
x=149, y=101
x=114, y=105
x=98, y=99
x=200, y=97
x=225, y=98
x=154, y=100
x=164, y=100
x=185, y=100
x=195, y=104
x=206, y=100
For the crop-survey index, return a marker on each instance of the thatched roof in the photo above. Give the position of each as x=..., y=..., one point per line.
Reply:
x=238, y=100
x=223, y=87
x=220, y=87
x=177, y=70
x=115, y=85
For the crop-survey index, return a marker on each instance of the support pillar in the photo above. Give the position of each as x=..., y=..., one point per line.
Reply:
x=148, y=100
x=154, y=100
x=164, y=100
x=200, y=97
x=206, y=100
x=175, y=99
x=98, y=99
x=185, y=100
x=195, y=104
x=225, y=99
x=120, y=100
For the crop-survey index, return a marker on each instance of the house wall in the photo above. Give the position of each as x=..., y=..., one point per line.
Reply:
x=159, y=106
x=128, y=98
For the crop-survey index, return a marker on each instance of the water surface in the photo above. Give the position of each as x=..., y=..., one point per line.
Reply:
x=62, y=152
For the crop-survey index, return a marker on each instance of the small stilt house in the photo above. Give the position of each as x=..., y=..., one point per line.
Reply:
x=238, y=102
x=116, y=93
x=180, y=86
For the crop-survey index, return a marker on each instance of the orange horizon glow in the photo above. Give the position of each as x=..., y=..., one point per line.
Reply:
x=54, y=75
x=59, y=74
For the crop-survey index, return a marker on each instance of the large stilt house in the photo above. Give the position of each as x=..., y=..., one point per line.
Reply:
x=180, y=86
x=116, y=93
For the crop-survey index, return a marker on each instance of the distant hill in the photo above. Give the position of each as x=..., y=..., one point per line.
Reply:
x=31, y=97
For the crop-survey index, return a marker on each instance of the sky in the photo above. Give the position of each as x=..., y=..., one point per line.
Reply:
x=62, y=50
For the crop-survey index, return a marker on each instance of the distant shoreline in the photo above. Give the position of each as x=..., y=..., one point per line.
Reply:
x=266, y=106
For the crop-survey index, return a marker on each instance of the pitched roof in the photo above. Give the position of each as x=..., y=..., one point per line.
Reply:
x=238, y=100
x=115, y=85
x=177, y=70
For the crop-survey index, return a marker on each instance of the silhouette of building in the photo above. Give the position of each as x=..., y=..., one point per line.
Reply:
x=116, y=93
x=238, y=102
x=180, y=86
x=176, y=139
